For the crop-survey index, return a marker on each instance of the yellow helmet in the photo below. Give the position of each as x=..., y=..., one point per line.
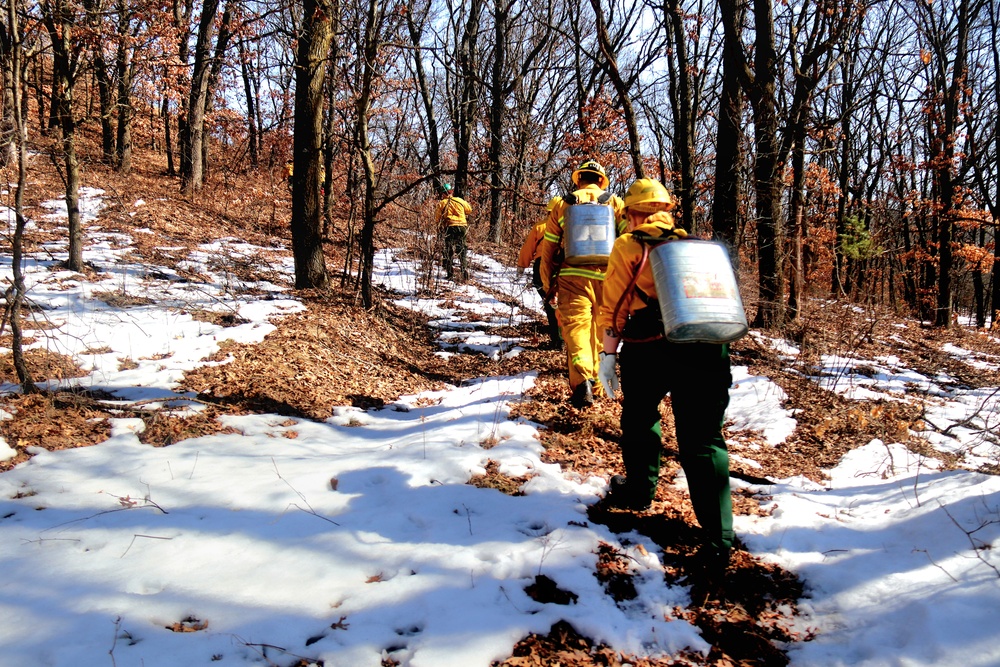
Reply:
x=648, y=195
x=552, y=203
x=593, y=167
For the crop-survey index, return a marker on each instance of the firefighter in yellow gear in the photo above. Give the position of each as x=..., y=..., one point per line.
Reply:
x=696, y=375
x=453, y=223
x=530, y=256
x=579, y=287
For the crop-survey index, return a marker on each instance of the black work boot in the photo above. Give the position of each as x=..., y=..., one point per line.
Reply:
x=583, y=395
x=620, y=497
x=712, y=561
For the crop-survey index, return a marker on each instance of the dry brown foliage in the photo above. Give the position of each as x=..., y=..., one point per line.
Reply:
x=42, y=365
x=51, y=421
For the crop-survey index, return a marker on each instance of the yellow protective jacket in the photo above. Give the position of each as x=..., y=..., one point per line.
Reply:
x=530, y=248
x=552, y=243
x=626, y=255
x=451, y=212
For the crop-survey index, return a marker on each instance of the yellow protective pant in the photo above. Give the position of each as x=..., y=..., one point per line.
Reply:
x=579, y=299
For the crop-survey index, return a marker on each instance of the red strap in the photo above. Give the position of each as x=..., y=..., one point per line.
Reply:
x=627, y=294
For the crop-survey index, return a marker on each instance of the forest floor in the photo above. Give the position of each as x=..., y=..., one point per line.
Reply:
x=314, y=361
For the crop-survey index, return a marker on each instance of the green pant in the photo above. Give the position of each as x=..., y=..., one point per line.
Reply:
x=454, y=244
x=697, y=377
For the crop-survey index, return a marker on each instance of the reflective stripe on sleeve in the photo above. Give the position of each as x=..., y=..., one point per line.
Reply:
x=580, y=272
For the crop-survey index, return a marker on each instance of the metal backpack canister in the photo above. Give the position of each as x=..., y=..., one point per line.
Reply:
x=697, y=291
x=588, y=233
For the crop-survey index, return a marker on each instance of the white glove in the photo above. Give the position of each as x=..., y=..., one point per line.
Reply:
x=607, y=375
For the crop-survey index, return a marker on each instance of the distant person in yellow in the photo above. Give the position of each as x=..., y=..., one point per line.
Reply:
x=579, y=285
x=530, y=256
x=452, y=222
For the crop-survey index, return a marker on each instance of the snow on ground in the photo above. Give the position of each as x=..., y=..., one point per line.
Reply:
x=357, y=537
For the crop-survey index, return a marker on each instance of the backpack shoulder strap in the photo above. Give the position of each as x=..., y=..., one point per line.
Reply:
x=630, y=289
x=645, y=238
x=570, y=199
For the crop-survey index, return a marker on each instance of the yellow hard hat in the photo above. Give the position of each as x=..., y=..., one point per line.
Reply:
x=552, y=203
x=648, y=195
x=593, y=167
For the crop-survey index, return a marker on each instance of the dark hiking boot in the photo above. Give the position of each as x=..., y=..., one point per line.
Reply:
x=583, y=395
x=711, y=562
x=620, y=497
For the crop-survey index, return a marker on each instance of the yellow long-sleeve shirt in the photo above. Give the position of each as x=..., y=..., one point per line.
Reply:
x=529, y=250
x=451, y=212
x=626, y=255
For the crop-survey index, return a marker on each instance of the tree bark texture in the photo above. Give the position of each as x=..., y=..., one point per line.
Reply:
x=193, y=132
x=726, y=225
x=610, y=65
x=315, y=37
x=467, y=60
x=59, y=22
x=684, y=123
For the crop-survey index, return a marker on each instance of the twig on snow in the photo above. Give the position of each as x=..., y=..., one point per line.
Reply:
x=977, y=549
x=151, y=537
x=307, y=511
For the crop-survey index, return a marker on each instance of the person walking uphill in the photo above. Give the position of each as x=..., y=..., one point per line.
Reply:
x=578, y=237
x=696, y=375
x=451, y=220
x=529, y=256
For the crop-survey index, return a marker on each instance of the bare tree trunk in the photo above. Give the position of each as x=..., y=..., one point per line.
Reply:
x=221, y=44
x=609, y=63
x=315, y=37
x=8, y=100
x=468, y=64
x=59, y=22
x=797, y=217
x=433, y=141
x=168, y=139
x=250, y=92
x=725, y=204
x=123, y=67
x=363, y=146
x=684, y=123
x=945, y=140
x=760, y=87
x=995, y=301
x=16, y=293
x=95, y=15
x=331, y=145
x=181, y=16
x=498, y=109
x=193, y=132
x=503, y=83
x=978, y=286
